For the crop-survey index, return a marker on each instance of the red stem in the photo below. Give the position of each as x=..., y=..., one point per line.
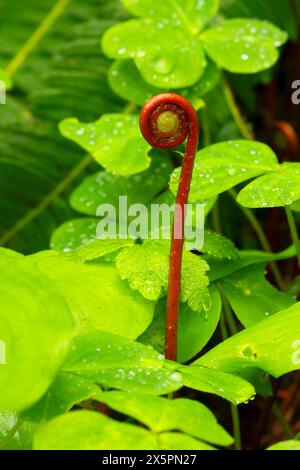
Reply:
x=185, y=126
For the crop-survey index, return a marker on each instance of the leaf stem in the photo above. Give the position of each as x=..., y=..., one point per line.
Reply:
x=35, y=38
x=234, y=109
x=249, y=214
x=294, y=231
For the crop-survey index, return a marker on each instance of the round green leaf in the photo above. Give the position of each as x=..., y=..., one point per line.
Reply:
x=36, y=327
x=173, y=60
x=244, y=46
x=277, y=189
x=224, y=165
x=192, y=15
x=114, y=141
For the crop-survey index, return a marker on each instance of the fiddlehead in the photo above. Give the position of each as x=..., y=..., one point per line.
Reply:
x=166, y=121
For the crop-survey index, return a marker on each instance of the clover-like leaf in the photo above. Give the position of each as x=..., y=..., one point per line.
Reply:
x=161, y=415
x=173, y=60
x=271, y=345
x=194, y=331
x=116, y=362
x=248, y=286
x=105, y=188
x=244, y=45
x=146, y=267
x=224, y=165
x=114, y=141
x=191, y=15
x=277, y=189
x=126, y=81
x=36, y=329
x=97, y=297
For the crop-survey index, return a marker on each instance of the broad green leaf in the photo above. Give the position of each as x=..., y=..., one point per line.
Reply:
x=244, y=46
x=21, y=439
x=162, y=414
x=191, y=15
x=114, y=141
x=194, y=331
x=277, y=189
x=272, y=345
x=178, y=441
x=36, y=328
x=292, y=444
x=228, y=386
x=249, y=287
x=127, y=82
x=116, y=362
x=222, y=268
x=146, y=267
x=74, y=234
x=87, y=430
x=218, y=246
x=105, y=188
x=66, y=391
x=224, y=165
x=173, y=60
x=96, y=295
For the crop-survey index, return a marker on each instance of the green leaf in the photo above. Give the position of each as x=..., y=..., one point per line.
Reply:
x=276, y=189
x=194, y=331
x=74, y=234
x=105, y=188
x=222, y=268
x=292, y=444
x=97, y=249
x=66, y=391
x=96, y=296
x=173, y=60
x=126, y=81
x=224, y=165
x=87, y=430
x=192, y=15
x=225, y=385
x=35, y=331
x=161, y=414
x=114, y=141
x=271, y=345
x=218, y=246
x=116, y=362
x=249, y=287
x=146, y=267
x=250, y=45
